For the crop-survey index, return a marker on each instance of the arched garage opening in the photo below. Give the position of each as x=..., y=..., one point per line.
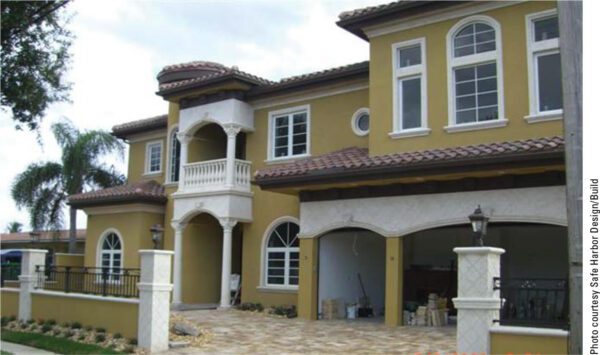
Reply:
x=536, y=251
x=351, y=272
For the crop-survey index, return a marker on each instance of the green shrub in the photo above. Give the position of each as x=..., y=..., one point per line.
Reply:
x=75, y=325
x=249, y=306
x=50, y=322
x=46, y=328
x=89, y=328
x=100, y=338
x=41, y=321
x=12, y=318
x=128, y=349
x=66, y=325
x=81, y=337
x=4, y=321
x=31, y=321
x=24, y=325
x=100, y=330
x=68, y=333
x=287, y=311
x=133, y=341
x=117, y=336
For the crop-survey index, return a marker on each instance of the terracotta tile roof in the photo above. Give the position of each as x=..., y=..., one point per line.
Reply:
x=143, y=191
x=133, y=127
x=45, y=236
x=197, y=64
x=355, y=159
x=369, y=10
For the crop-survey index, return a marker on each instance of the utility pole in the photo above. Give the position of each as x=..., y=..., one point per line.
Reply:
x=571, y=38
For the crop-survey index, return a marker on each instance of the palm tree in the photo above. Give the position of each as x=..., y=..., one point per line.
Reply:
x=14, y=227
x=43, y=187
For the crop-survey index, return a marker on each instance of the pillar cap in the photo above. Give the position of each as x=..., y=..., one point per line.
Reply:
x=155, y=252
x=479, y=250
x=32, y=251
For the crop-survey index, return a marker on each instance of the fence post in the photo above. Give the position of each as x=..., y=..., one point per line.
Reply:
x=155, y=288
x=28, y=279
x=478, y=304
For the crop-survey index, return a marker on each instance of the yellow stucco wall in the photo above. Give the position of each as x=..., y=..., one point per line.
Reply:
x=69, y=260
x=137, y=159
x=516, y=94
x=394, y=274
x=9, y=302
x=134, y=228
x=528, y=344
x=115, y=317
x=308, y=283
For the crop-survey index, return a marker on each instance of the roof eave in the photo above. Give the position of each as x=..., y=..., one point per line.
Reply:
x=118, y=200
x=168, y=93
x=423, y=169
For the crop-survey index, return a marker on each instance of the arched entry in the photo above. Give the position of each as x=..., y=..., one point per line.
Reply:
x=351, y=272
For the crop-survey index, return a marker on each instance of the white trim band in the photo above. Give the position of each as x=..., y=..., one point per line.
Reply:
x=476, y=303
x=503, y=329
x=86, y=297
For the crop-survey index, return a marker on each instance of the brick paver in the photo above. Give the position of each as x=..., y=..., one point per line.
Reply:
x=240, y=332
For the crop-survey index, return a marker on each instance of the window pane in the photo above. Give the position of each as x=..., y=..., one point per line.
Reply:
x=465, y=88
x=487, y=99
x=465, y=116
x=474, y=38
x=486, y=85
x=293, y=280
x=300, y=118
x=175, y=156
x=465, y=102
x=275, y=280
x=476, y=93
x=363, y=122
x=281, y=131
x=549, y=82
x=276, y=271
x=486, y=114
x=464, y=74
x=411, y=103
x=281, y=121
x=546, y=29
x=276, y=263
x=486, y=70
x=409, y=56
x=299, y=138
x=280, y=152
x=281, y=142
x=299, y=149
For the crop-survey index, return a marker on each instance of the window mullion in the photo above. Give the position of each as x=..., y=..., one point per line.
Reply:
x=286, y=271
x=290, y=134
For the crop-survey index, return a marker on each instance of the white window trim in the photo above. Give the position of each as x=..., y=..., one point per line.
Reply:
x=99, y=249
x=263, y=259
x=170, y=155
x=480, y=58
x=147, y=159
x=354, y=122
x=534, y=49
x=419, y=70
x=271, y=140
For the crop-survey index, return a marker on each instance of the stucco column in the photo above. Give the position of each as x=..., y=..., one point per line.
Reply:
x=231, y=131
x=185, y=140
x=308, y=283
x=227, y=225
x=155, y=287
x=478, y=304
x=394, y=281
x=29, y=279
x=178, y=262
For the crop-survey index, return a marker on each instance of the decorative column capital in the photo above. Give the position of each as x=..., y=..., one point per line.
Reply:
x=227, y=223
x=177, y=226
x=184, y=138
x=232, y=129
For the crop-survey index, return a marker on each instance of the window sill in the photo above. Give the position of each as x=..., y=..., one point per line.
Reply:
x=154, y=173
x=544, y=117
x=172, y=184
x=286, y=159
x=416, y=132
x=274, y=289
x=465, y=127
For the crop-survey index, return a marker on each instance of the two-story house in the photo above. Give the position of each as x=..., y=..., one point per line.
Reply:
x=353, y=181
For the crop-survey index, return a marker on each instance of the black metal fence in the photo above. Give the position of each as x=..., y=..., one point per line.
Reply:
x=95, y=281
x=10, y=272
x=534, y=302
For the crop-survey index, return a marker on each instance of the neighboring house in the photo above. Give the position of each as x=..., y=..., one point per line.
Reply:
x=53, y=241
x=369, y=169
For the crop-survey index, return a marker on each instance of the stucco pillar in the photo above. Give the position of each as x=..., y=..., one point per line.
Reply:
x=28, y=279
x=394, y=281
x=231, y=131
x=155, y=287
x=178, y=262
x=478, y=304
x=308, y=283
x=227, y=225
x=185, y=140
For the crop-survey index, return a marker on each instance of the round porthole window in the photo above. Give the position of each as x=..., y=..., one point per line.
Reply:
x=360, y=122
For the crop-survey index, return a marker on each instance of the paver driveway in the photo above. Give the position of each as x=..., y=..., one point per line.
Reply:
x=240, y=332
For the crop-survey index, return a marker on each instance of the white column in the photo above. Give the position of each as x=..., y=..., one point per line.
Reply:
x=155, y=287
x=228, y=225
x=28, y=279
x=185, y=140
x=231, y=131
x=478, y=304
x=177, y=263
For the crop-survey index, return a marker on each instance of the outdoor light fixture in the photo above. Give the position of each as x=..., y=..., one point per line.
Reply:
x=157, y=233
x=479, y=223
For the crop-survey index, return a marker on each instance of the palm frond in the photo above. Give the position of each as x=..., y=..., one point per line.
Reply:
x=105, y=177
x=65, y=133
x=28, y=185
x=98, y=143
x=46, y=211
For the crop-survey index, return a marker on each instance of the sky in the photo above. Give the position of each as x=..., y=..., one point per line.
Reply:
x=120, y=46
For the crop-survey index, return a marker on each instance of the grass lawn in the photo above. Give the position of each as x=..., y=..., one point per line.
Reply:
x=5, y=352
x=57, y=345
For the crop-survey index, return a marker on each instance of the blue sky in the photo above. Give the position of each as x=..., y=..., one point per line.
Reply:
x=120, y=46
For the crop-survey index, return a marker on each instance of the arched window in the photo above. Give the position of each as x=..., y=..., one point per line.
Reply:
x=111, y=252
x=475, y=74
x=174, y=156
x=282, y=255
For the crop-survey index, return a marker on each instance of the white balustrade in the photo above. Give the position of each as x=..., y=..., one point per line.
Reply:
x=211, y=175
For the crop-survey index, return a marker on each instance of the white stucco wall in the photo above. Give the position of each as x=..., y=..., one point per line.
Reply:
x=340, y=261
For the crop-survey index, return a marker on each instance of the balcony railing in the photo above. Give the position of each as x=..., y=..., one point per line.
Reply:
x=212, y=175
x=534, y=302
x=10, y=272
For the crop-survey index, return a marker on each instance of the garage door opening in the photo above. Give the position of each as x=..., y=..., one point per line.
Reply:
x=352, y=275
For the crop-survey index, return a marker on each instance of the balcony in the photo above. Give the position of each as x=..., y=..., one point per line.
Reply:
x=211, y=175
